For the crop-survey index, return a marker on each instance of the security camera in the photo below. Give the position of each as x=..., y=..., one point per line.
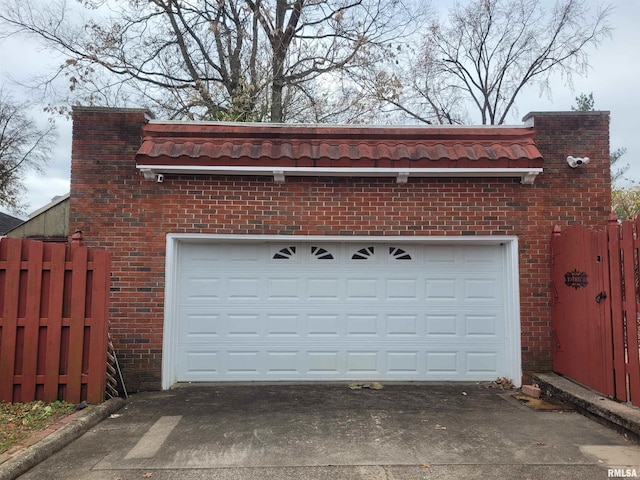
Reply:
x=159, y=178
x=577, y=161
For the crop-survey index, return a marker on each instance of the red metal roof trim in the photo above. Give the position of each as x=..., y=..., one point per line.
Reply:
x=266, y=145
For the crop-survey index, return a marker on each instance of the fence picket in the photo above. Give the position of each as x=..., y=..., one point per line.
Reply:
x=31, y=327
x=617, y=312
x=54, y=321
x=99, y=333
x=11, y=264
x=633, y=341
x=629, y=304
x=76, y=326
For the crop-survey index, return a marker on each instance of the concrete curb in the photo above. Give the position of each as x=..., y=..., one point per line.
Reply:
x=617, y=415
x=39, y=451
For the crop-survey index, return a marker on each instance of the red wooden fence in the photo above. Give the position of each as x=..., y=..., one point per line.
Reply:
x=596, y=307
x=624, y=245
x=54, y=321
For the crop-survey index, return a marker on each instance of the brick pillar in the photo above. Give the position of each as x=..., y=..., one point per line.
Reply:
x=560, y=196
x=105, y=141
x=110, y=203
x=586, y=196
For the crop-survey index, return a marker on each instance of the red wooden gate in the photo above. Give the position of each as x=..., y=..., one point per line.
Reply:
x=595, y=294
x=54, y=321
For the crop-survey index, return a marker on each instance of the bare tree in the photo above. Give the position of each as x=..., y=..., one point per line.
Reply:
x=586, y=103
x=23, y=146
x=490, y=50
x=211, y=59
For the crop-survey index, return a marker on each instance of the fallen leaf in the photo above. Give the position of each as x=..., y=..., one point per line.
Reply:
x=371, y=386
x=426, y=465
x=148, y=475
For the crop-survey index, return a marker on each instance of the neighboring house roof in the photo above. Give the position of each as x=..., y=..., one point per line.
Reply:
x=49, y=222
x=7, y=222
x=54, y=201
x=171, y=147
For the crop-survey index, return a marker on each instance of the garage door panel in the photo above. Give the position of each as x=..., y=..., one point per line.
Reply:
x=243, y=288
x=243, y=363
x=284, y=326
x=362, y=288
x=283, y=362
x=362, y=325
x=486, y=257
x=197, y=327
x=485, y=326
x=442, y=325
x=481, y=290
x=244, y=326
x=323, y=325
x=201, y=289
x=441, y=254
x=482, y=362
x=404, y=363
x=340, y=311
x=324, y=363
x=441, y=290
x=200, y=364
x=322, y=288
x=403, y=326
x=364, y=363
x=283, y=288
x=401, y=289
x=442, y=362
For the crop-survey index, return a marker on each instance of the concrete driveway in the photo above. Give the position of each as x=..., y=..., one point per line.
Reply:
x=404, y=431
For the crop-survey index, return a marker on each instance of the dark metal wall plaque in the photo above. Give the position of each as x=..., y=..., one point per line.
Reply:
x=575, y=279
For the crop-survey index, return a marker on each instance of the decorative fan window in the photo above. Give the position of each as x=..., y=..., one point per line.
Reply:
x=285, y=253
x=363, y=254
x=399, y=254
x=321, y=253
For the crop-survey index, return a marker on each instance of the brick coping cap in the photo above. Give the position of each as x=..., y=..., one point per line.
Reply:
x=570, y=113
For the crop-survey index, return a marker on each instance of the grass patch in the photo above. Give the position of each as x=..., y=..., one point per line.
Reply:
x=18, y=421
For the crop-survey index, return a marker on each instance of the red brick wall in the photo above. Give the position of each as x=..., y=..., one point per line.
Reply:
x=117, y=209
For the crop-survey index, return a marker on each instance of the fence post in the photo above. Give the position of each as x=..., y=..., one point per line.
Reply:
x=77, y=239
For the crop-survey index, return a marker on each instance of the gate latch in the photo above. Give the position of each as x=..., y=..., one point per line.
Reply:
x=601, y=296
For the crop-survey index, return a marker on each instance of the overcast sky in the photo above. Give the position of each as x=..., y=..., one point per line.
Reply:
x=613, y=79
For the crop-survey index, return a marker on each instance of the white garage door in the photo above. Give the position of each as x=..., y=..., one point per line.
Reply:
x=337, y=311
